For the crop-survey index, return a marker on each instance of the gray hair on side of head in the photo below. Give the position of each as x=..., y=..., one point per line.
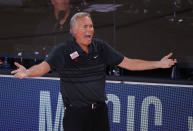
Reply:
x=75, y=17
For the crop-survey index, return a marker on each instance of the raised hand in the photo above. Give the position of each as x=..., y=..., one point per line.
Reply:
x=166, y=62
x=21, y=72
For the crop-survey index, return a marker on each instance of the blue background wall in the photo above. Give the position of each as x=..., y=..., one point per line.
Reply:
x=36, y=104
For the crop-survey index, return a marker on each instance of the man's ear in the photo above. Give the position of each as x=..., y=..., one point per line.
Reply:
x=73, y=30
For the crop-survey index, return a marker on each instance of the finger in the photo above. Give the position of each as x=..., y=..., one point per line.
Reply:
x=168, y=56
x=16, y=76
x=172, y=64
x=18, y=65
x=14, y=72
x=19, y=76
x=175, y=60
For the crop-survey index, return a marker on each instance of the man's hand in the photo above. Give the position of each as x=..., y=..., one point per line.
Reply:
x=21, y=72
x=166, y=62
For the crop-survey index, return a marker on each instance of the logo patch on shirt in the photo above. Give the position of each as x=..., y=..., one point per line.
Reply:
x=74, y=55
x=76, y=60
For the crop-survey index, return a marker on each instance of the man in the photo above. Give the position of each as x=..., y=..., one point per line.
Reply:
x=61, y=11
x=81, y=64
x=52, y=28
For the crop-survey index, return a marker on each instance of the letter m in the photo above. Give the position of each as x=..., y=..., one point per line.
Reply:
x=45, y=113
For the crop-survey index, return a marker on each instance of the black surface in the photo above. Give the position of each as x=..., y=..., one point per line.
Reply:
x=146, y=29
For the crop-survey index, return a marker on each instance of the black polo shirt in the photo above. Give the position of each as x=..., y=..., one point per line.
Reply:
x=82, y=75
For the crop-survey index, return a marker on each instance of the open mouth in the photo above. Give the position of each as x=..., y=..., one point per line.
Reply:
x=88, y=36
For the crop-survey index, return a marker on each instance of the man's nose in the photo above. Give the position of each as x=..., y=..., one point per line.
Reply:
x=90, y=29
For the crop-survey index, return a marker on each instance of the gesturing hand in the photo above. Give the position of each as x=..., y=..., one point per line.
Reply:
x=166, y=62
x=21, y=72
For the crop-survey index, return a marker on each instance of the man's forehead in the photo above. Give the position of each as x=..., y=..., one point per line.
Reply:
x=84, y=18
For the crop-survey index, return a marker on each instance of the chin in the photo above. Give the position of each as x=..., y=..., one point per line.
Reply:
x=87, y=43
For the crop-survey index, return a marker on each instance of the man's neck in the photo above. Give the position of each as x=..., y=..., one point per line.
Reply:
x=84, y=48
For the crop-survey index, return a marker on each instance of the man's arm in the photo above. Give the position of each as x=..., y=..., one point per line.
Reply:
x=34, y=71
x=137, y=65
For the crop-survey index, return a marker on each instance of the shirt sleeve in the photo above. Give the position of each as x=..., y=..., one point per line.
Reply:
x=56, y=58
x=111, y=56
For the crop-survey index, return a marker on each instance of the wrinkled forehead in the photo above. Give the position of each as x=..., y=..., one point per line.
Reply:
x=85, y=20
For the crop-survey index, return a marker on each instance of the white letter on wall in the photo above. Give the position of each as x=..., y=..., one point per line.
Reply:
x=59, y=114
x=130, y=113
x=116, y=107
x=45, y=112
x=145, y=112
x=190, y=123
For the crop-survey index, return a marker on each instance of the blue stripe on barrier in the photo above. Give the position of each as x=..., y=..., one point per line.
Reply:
x=36, y=104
